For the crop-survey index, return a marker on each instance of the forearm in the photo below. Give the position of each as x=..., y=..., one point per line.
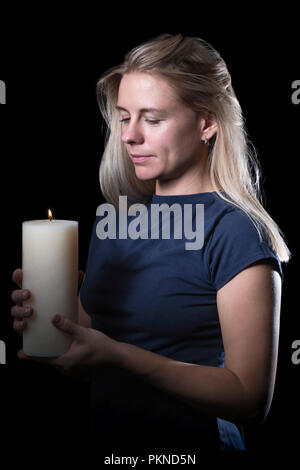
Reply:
x=214, y=391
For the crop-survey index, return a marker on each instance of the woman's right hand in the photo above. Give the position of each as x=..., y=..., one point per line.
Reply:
x=20, y=313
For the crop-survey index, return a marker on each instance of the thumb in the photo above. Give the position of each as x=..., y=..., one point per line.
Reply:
x=65, y=324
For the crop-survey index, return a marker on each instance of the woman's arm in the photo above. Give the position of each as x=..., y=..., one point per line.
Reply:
x=249, y=312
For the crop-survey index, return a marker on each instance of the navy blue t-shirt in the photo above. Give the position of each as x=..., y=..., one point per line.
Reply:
x=156, y=294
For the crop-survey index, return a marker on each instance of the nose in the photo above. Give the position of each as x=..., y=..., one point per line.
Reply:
x=132, y=134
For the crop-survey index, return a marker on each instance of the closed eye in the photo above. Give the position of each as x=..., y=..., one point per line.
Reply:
x=151, y=121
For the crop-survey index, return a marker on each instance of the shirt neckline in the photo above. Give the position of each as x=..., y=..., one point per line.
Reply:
x=158, y=198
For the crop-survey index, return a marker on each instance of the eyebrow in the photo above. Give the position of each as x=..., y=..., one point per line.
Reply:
x=143, y=110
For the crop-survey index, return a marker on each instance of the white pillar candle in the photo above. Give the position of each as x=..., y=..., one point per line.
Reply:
x=50, y=272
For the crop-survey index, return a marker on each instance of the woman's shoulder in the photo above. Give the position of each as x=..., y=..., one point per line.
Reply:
x=231, y=220
x=237, y=241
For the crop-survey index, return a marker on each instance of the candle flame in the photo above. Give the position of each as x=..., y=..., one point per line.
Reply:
x=49, y=214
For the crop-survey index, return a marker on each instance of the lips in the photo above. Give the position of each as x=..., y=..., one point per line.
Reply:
x=140, y=158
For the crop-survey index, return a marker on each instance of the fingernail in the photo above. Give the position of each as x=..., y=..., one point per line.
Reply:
x=25, y=294
x=56, y=319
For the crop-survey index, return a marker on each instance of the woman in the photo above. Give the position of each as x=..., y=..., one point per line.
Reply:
x=180, y=345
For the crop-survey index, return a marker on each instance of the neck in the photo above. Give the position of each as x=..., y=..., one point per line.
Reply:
x=196, y=181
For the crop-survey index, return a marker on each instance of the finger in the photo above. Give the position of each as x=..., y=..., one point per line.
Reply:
x=22, y=355
x=19, y=326
x=17, y=277
x=19, y=295
x=46, y=360
x=20, y=312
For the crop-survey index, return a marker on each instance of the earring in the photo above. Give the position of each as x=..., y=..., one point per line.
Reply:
x=205, y=141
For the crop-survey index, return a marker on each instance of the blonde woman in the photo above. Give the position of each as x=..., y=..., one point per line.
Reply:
x=180, y=344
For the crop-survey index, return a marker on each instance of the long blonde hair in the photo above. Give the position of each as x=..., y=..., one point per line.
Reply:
x=200, y=77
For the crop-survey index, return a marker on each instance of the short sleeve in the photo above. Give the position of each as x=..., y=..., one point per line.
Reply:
x=235, y=245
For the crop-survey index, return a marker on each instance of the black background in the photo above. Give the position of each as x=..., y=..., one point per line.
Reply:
x=51, y=145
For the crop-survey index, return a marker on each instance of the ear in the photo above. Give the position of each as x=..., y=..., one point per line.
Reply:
x=208, y=126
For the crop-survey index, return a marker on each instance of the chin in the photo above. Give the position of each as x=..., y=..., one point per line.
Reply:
x=146, y=175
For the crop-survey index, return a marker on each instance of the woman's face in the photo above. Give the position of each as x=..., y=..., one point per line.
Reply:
x=161, y=134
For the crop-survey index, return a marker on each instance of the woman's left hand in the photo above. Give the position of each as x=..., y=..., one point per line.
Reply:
x=89, y=349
